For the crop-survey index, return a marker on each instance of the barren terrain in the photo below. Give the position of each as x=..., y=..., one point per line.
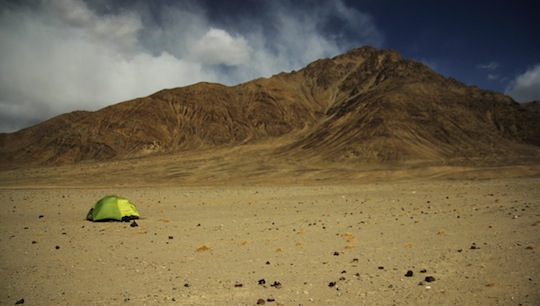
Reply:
x=465, y=240
x=365, y=179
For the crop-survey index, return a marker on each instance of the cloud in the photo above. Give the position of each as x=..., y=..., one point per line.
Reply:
x=488, y=66
x=219, y=47
x=525, y=87
x=63, y=55
x=492, y=77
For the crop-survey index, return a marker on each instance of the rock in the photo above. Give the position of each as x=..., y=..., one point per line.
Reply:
x=134, y=224
x=276, y=285
x=262, y=281
x=261, y=302
x=331, y=284
x=429, y=279
x=19, y=302
x=409, y=273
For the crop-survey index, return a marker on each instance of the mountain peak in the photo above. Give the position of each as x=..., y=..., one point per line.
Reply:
x=364, y=106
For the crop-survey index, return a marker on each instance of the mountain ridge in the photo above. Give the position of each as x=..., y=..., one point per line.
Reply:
x=363, y=106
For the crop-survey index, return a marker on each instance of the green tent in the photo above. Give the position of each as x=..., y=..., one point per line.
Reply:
x=113, y=208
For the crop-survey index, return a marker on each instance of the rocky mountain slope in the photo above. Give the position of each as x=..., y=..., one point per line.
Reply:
x=365, y=106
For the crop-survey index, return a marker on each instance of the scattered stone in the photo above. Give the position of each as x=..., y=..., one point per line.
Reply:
x=262, y=281
x=409, y=273
x=261, y=302
x=270, y=300
x=429, y=279
x=19, y=302
x=331, y=284
x=134, y=224
x=381, y=268
x=187, y=285
x=171, y=237
x=276, y=285
x=423, y=271
x=41, y=216
x=238, y=285
x=34, y=242
x=267, y=262
x=57, y=247
x=336, y=253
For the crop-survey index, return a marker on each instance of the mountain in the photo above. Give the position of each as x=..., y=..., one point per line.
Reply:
x=366, y=106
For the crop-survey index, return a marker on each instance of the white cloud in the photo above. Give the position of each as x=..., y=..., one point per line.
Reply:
x=63, y=55
x=219, y=47
x=526, y=87
x=492, y=77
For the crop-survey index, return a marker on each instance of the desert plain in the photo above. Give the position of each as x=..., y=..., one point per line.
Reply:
x=442, y=238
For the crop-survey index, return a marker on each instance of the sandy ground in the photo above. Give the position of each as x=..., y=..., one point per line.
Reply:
x=466, y=242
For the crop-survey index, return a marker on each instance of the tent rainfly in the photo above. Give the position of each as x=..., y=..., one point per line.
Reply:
x=113, y=208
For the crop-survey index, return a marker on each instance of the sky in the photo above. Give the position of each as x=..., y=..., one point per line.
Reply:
x=58, y=56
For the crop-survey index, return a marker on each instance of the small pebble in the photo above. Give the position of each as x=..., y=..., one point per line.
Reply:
x=276, y=285
x=409, y=273
x=262, y=281
x=430, y=279
x=19, y=302
x=331, y=284
x=261, y=302
x=134, y=224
